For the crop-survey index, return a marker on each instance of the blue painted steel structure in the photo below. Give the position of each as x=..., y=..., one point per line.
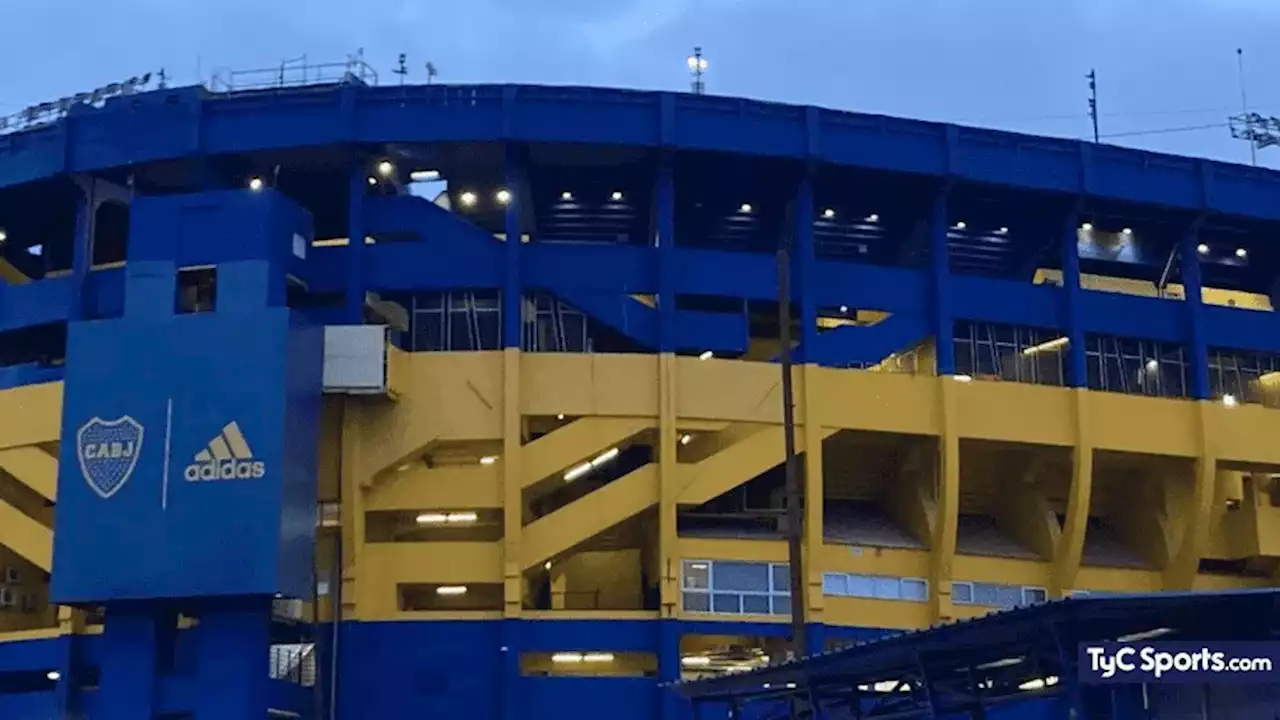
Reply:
x=665, y=218
x=1022, y=659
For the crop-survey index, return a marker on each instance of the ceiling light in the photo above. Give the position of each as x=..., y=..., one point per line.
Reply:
x=844, y=308
x=566, y=658
x=744, y=208
x=53, y=675
x=1087, y=227
x=1230, y=400
x=706, y=355
x=581, y=469
x=873, y=218
x=451, y=590
x=36, y=250
x=962, y=378
x=961, y=225
x=546, y=565
x=566, y=195
x=686, y=439
x=255, y=183
x=1202, y=249
x=598, y=657
x=432, y=518
x=424, y=175
x=504, y=197
x=560, y=416
x=617, y=195
x=468, y=198
x=385, y=168
x=1242, y=253
x=462, y=517
x=373, y=180
x=1127, y=231
x=828, y=213
x=488, y=460
x=1003, y=231
x=1152, y=365
x=695, y=661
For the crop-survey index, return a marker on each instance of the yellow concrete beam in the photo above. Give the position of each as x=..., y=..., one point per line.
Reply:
x=738, y=463
x=574, y=443
x=32, y=467
x=11, y=274
x=590, y=515
x=446, y=488
x=942, y=545
x=669, y=484
x=1024, y=513
x=30, y=415
x=512, y=475
x=1195, y=514
x=1070, y=549
x=25, y=536
x=810, y=413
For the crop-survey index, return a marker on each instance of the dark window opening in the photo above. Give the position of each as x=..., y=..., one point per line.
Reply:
x=110, y=233
x=197, y=290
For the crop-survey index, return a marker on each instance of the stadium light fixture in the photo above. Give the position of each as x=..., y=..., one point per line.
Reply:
x=255, y=183
x=566, y=196
x=1003, y=230
x=1202, y=249
x=961, y=225
x=503, y=197
x=828, y=213
x=468, y=199
x=1242, y=253
x=745, y=208
x=617, y=195
x=874, y=218
x=386, y=168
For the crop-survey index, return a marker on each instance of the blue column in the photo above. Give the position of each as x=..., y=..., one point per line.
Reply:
x=664, y=231
x=128, y=685
x=815, y=638
x=511, y=699
x=1077, y=373
x=81, y=250
x=357, y=182
x=669, y=703
x=512, y=290
x=1197, y=351
x=802, y=217
x=233, y=661
x=940, y=271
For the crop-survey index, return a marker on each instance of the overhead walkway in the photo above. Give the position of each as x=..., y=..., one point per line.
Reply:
x=1020, y=663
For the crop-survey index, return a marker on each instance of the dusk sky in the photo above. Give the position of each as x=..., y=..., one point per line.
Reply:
x=1012, y=64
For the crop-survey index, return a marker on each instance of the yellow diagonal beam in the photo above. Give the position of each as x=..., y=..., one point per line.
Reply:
x=589, y=515
x=32, y=467
x=580, y=440
x=25, y=536
x=737, y=464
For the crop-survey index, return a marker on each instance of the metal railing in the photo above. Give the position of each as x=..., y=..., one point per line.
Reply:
x=294, y=663
x=294, y=73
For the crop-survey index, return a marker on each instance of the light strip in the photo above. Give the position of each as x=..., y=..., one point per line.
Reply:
x=578, y=471
x=566, y=658
x=1050, y=345
x=451, y=590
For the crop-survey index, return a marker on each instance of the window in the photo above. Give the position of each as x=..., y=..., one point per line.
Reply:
x=11, y=575
x=996, y=595
x=733, y=587
x=876, y=587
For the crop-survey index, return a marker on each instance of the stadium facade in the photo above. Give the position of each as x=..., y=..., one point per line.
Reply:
x=514, y=451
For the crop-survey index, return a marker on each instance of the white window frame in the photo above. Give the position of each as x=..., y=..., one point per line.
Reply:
x=851, y=578
x=772, y=594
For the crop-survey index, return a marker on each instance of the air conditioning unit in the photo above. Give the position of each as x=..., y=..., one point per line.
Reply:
x=356, y=360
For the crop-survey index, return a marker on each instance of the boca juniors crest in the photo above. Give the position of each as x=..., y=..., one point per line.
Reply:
x=108, y=452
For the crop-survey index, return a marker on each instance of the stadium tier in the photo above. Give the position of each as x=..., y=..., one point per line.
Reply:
x=344, y=401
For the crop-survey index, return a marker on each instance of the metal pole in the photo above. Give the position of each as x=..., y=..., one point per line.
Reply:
x=1244, y=107
x=795, y=513
x=1093, y=101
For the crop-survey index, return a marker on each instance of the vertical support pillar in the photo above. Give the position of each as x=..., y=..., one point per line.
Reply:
x=1070, y=550
x=239, y=688
x=1197, y=351
x=512, y=427
x=352, y=501
x=357, y=182
x=1077, y=371
x=82, y=247
x=1197, y=511
x=940, y=272
x=942, y=544
x=129, y=685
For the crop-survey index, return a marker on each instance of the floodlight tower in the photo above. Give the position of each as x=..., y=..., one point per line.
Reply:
x=697, y=66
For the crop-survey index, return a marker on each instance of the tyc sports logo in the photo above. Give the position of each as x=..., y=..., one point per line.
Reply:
x=227, y=457
x=108, y=452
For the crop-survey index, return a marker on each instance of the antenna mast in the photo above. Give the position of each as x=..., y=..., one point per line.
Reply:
x=1093, y=101
x=402, y=68
x=1261, y=132
x=698, y=65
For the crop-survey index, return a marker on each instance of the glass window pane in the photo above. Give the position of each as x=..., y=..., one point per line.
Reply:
x=887, y=588
x=962, y=593
x=697, y=602
x=915, y=589
x=835, y=584
x=757, y=604
x=862, y=586
x=1033, y=595
x=781, y=578
x=1008, y=596
x=697, y=575
x=726, y=603
x=741, y=576
x=987, y=594
x=781, y=605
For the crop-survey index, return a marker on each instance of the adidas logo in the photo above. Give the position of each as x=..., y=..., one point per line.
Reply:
x=227, y=457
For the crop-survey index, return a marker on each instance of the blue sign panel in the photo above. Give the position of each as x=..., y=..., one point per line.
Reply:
x=1180, y=662
x=192, y=472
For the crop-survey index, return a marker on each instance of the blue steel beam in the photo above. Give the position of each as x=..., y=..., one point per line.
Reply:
x=178, y=123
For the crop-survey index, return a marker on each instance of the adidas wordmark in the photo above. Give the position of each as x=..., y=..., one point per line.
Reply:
x=227, y=457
